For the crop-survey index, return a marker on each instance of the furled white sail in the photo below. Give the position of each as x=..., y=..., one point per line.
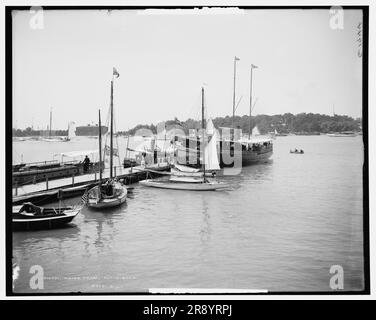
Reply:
x=186, y=168
x=211, y=154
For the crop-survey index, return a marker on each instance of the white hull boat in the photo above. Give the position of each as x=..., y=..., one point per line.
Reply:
x=188, y=186
x=97, y=199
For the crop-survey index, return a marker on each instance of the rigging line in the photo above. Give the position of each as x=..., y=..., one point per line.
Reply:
x=238, y=102
x=116, y=139
x=254, y=104
x=195, y=109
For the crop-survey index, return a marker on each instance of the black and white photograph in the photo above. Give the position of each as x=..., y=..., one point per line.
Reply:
x=187, y=150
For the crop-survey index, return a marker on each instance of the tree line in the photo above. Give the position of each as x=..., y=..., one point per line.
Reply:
x=309, y=123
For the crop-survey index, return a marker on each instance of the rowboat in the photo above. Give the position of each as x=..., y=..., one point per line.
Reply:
x=31, y=217
x=297, y=151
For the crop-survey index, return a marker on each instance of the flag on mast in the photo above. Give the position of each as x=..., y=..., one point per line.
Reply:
x=253, y=66
x=236, y=58
x=115, y=73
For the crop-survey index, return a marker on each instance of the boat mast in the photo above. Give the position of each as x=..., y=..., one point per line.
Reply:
x=233, y=98
x=50, y=122
x=250, y=106
x=250, y=101
x=203, y=129
x=112, y=122
x=100, y=148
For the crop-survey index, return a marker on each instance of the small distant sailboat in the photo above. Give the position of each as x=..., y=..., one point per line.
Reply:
x=111, y=193
x=71, y=132
x=255, y=131
x=190, y=179
x=50, y=138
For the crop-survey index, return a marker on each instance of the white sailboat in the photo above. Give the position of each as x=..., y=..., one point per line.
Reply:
x=190, y=179
x=112, y=193
x=255, y=131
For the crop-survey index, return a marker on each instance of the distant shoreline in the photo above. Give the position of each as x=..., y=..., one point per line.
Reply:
x=299, y=124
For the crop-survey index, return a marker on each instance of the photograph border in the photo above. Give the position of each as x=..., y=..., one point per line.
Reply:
x=9, y=150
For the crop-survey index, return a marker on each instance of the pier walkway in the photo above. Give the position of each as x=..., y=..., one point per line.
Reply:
x=128, y=175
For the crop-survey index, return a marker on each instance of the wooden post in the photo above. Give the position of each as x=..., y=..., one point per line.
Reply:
x=115, y=172
x=47, y=183
x=95, y=175
x=72, y=179
x=16, y=188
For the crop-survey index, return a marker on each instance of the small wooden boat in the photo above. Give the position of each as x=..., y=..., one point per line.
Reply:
x=185, y=185
x=31, y=217
x=107, y=195
x=297, y=151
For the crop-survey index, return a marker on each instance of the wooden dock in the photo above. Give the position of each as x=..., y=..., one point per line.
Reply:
x=47, y=191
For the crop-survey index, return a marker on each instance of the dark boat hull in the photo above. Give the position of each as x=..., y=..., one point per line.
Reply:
x=248, y=157
x=22, y=222
x=41, y=225
x=227, y=152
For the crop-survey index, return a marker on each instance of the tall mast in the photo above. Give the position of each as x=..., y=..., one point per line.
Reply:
x=250, y=105
x=203, y=129
x=112, y=129
x=100, y=148
x=233, y=98
x=50, y=121
x=250, y=101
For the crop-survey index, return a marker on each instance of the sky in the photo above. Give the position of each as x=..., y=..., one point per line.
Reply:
x=164, y=59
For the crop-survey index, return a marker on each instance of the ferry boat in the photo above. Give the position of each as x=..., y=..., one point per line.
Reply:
x=90, y=130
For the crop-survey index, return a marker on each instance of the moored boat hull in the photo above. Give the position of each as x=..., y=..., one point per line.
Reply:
x=107, y=202
x=23, y=223
x=250, y=157
x=184, y=185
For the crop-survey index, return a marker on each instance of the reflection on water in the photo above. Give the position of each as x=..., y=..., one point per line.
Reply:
x=281, y=226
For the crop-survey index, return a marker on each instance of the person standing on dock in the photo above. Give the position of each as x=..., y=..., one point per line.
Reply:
x=86, y=164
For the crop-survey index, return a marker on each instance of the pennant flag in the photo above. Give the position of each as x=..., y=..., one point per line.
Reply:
x=253, y=66
x=236, y=58
x=115, y=73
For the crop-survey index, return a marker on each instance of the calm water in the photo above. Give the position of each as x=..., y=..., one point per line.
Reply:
x=281, y=227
